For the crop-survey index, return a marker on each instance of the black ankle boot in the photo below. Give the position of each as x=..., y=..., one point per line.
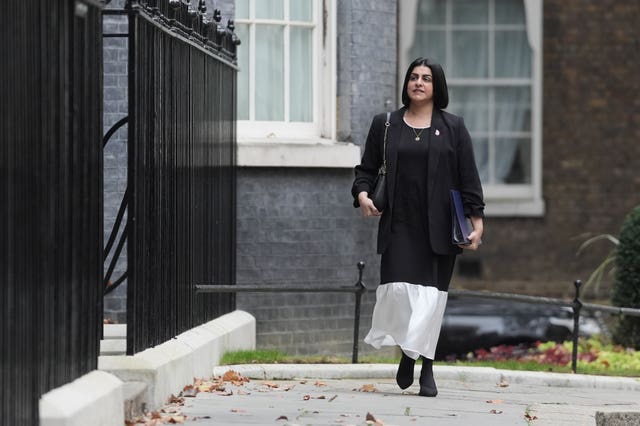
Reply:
x=427, y=382
x=404, y=377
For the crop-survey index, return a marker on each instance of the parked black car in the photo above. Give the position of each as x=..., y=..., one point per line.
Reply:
x=474, y=323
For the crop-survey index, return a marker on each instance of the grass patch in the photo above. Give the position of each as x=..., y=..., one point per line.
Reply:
x=623, y=369
x=276, y=357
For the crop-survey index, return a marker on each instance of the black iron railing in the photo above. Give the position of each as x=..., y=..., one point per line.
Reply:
x=360, y=288
x=50, y=199
x=181, y=171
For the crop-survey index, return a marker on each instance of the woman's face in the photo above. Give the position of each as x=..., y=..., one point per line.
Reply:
x=420, y=85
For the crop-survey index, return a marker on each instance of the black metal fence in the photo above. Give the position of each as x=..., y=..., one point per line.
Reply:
x=182, y=178
x=360, y=288
x=50, y=199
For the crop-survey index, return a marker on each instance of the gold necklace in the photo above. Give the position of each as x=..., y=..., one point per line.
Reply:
x=418, y=134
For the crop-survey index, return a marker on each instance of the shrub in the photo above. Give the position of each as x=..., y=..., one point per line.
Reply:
x=626, y=288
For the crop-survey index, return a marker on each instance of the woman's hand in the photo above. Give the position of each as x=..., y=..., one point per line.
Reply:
x=476, y=235
x=366, y=205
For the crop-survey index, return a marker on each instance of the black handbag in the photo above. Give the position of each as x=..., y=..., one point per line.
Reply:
x=460, y=228
x=379, y=193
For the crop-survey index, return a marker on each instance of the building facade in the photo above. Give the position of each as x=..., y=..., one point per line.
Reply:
x=548, y=91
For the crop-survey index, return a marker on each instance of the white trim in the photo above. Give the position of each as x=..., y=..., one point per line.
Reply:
x=292, y=153
x=328, y=103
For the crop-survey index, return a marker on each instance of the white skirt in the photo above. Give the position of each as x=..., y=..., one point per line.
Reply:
x=409, y=316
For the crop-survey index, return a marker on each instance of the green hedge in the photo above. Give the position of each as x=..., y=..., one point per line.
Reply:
x=626, y=288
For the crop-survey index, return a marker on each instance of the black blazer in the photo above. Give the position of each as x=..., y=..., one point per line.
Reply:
x=451, y=165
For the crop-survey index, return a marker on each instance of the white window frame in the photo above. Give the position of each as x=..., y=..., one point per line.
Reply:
x=295, y=144
x=501, y=199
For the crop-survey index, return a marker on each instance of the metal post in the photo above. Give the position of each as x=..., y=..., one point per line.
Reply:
x=577, y=305
x=356, y=322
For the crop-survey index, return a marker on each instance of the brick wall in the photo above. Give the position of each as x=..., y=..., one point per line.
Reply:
x=298, y=227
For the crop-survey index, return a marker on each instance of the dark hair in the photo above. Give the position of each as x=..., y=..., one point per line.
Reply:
x=440, y=91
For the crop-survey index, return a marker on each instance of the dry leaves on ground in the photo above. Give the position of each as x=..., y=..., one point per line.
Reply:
x=371, y=420
x=155, y=418
x=367, y=388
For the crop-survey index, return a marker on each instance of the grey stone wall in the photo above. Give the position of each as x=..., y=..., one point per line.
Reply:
x=367, y=57
x=298, y=227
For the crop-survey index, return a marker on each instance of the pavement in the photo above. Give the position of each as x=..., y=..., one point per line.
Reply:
x=298, y=394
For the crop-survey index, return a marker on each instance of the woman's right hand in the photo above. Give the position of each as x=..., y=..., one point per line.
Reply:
x=366, y=205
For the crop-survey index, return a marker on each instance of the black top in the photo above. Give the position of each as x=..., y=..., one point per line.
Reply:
x=450, y=165
x=409, y=257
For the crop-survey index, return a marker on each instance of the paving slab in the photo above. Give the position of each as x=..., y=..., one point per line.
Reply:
x=464, y=399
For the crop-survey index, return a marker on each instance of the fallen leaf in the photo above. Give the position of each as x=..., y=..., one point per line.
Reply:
x=530, y=417
x=503, y=384
x=373, y=421
x=271, y=385
x=176, y=419
x=224, y=392
x=234, y=377
x=495, y=401
x=175, y=400
x=303, y=382
x=367, y=388
x=189, y=391
x=238, y=410
x=319, y=383
x=496, y=411
x=282, y=418
x=306, y=397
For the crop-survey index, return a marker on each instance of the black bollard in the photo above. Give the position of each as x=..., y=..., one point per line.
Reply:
x=577, y=305
x=361, y=288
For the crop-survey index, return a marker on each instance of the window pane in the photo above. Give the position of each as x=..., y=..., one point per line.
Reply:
x=432, y=12
x=301, y=10
x=513, y=161
x=301, y=91
x=242, y=9
x=509, y=12
x=513, y=55
x=472, y=103
x=469, y=54
x=430, y=44
x=269, y=73
x=470, y=12
x=513, y=109
x=481, y=153
x=269, y=9
x=242, y=31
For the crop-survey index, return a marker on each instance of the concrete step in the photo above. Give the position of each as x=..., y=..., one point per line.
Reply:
x=115, y=331
x=113, y=347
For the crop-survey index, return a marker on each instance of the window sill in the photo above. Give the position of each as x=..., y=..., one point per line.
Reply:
x=283, y=153
x=514, y=208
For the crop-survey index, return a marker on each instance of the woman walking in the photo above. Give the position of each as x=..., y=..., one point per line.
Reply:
x=428, y=153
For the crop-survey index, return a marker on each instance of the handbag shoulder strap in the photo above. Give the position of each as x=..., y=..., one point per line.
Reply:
x=384, y=147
